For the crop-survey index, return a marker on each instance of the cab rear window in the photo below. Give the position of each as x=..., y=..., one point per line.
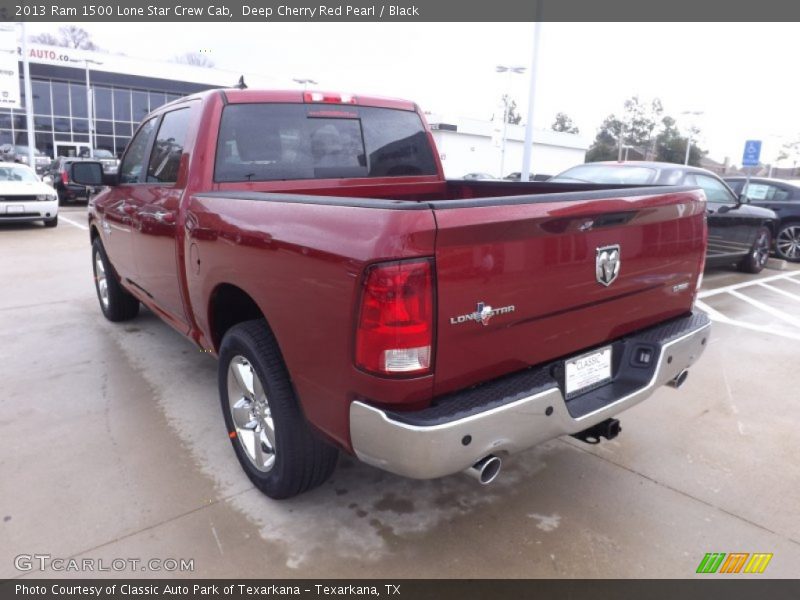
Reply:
x=271, y=142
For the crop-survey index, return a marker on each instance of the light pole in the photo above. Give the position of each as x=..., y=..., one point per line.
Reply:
x=696, y=113
x=89, y=101
x=304, y=82
x=26, y=70
x=527, y=151
x=506, y=69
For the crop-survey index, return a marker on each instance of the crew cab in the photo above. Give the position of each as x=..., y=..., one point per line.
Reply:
x=357, y=300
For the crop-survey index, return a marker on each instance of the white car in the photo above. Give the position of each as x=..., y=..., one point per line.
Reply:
x=23, y=196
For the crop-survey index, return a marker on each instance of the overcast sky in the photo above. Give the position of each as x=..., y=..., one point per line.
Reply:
x=742, y=76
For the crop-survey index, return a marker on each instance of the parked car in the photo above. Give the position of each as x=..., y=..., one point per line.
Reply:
x=7, y=153
x=479, y=177
x=782, y=197
x=517, y=176
x=19, y=154
x=105, y=157
x=358, y=300
x=737, y=232
x=68, y=190
x=23, y=197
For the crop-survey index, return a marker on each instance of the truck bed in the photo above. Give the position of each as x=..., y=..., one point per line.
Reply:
x=534, y=250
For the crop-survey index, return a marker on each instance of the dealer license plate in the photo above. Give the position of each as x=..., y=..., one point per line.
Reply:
x=14, y=209
x=587, y=371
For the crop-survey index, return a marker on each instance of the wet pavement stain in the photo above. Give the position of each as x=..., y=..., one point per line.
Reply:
x=391, y=503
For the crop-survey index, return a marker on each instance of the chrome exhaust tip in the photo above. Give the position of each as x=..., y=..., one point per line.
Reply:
x=679, y=380
x=485, y=470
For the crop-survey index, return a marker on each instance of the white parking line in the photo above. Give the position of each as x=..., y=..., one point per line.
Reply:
x=784, y=293
x=61, y=217
x=767, y=308
x=783, y=276
x=720, y=318
x=736, y=291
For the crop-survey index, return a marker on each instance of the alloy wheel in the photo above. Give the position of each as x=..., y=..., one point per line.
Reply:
x=788, y=242
x=251, y=414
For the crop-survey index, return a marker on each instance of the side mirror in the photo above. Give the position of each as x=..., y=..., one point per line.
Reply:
x=90, y=173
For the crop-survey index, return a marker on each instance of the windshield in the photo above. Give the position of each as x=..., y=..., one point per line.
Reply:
x=103, y=154
x=17, y=174
x=604, y=173
x=267, y=142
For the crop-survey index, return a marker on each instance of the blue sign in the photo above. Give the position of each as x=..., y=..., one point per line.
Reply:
x=752, y=153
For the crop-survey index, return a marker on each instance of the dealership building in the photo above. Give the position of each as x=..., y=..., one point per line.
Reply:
x=124, y=89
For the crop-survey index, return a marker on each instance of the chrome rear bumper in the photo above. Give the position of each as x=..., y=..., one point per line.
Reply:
x=450, y=438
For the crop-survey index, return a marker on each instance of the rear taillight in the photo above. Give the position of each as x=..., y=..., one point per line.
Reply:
x=64, y=177
x=394, y=335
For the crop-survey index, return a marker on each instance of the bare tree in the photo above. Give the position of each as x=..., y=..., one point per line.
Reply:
x=48, y=39
x=73, y=36
x=195, y=59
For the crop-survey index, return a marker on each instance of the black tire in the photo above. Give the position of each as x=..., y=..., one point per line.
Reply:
x=300, y=459
x=758, y=256
x=787, y=242
x=119, y=304
x=51, y=222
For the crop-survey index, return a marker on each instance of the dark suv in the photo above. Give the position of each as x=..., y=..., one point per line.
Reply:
x=783, y=197
x=68, y=190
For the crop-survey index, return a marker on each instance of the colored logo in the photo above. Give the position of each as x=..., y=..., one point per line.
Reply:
x=735, y=562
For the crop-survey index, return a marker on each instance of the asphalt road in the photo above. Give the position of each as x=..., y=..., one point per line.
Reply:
x=112, y=446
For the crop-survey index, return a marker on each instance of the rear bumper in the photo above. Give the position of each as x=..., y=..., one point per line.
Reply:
x=517, y=412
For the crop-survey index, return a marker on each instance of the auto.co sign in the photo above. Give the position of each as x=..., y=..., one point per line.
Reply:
x=46, y=54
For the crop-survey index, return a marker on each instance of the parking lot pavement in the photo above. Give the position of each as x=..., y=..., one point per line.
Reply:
x=112, y=445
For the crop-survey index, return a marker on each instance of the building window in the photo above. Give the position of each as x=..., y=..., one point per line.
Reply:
x=122, y=105
x=41, y=97
x=77, y=98
x=102, y=104
x=60, y=99
x=140, y=105
x=104, y=128
x=157, y=99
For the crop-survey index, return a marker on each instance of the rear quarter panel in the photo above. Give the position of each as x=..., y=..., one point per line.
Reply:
x=302, y=264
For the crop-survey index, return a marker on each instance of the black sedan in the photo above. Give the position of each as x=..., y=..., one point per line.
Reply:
x=783, y=197
x=738, y=233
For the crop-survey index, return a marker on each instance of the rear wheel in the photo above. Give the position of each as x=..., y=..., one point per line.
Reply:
x=274, y=443
x=759, y=253
x=116, y=303
x=787, y=242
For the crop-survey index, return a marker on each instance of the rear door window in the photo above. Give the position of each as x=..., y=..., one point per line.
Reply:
x=269, y=142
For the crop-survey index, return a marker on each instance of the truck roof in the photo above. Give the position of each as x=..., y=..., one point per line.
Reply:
x=237, y=96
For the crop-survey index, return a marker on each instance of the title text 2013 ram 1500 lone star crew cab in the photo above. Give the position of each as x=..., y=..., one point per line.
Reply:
x=358, y=300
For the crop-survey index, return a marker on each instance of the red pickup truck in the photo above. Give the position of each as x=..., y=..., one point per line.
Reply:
x=358, y=300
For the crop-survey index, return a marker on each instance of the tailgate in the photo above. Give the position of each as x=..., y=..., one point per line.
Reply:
x=522, y=281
